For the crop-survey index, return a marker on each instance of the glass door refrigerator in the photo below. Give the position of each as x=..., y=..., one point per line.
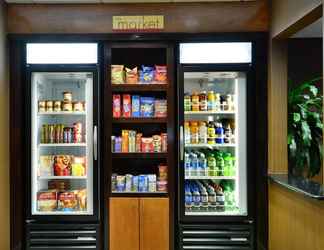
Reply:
x=215, y=81
x=63, y=184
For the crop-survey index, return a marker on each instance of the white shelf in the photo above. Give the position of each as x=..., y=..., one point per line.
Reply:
x=210, y=178
x=209, y=112
x=62, y=177
x=62, y=213
x=226, y=213
x=224, y=145
x=62, y=144
x=63, y=113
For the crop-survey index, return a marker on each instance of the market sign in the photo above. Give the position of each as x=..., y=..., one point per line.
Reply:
x=138, y=23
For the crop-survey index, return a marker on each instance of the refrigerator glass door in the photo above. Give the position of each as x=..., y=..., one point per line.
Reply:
x=214, y=148
x=62, y=136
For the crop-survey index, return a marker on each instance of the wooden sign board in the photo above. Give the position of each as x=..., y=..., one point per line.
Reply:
x=138, y=23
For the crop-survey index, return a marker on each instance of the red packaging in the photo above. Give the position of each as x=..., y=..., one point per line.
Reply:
x=46, y=200
x=116, y=106
x=147, y=145
x=77, y=132
x=62, y=165
x=127, y=106
x=164, y=142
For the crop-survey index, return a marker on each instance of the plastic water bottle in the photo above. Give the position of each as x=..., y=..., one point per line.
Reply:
x=188, y=198
x=194, y=164
x=187, y=164
x=203, y=169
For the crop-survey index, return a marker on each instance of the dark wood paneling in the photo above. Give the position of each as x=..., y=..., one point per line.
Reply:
x=180, y=17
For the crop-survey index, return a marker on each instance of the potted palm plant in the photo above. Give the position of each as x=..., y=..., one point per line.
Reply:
x=305, y=129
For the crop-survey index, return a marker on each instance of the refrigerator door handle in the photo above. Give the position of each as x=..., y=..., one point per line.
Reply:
x=95, y=143
x=181, y=143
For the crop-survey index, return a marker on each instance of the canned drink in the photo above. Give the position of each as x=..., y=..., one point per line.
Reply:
x=128, y=182
x=77, y=132
x=132, y=141
x=164, y=142
x=57, y=106
x=142, y=183
x=138, y=143
x=135, y=184
x=49, y=106
x=51, y=133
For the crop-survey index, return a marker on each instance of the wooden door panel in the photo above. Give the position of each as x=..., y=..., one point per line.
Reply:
x=124, y=224
x=154, y=224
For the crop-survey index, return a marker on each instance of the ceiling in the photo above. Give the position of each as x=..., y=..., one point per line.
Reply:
x=116, y=1
x=314, y=30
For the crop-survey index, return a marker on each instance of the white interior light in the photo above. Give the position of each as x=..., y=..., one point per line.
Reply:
x=62, y=53
x=235, y=52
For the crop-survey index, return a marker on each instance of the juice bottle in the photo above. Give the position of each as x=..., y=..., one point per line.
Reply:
x=188, y=197
x=187, y=163
x=211, y=198
x=203, y=101
x=212, y=167
x=228, y=164
x=211, y=131
x=217, y=106
x=187, y=102
x=202, y=133
x=220, y=163
x=187, y=133
x=195, y=102
x=194, y=136
x=203, y=197
x=196, y=198
x=210, y=101
x=228, y=134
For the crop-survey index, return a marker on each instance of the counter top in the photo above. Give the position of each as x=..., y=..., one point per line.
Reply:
x=303, y=186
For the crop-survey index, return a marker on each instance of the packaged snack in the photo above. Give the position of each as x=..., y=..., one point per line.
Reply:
x=160, y=108
x=157, y=143
x=82, y=199
x=162, y=186
x=142, y=183
x=151, y=182
x=67, y=201
x=46, y=165
x=60, y=185
x=127, y=106
x=147, y=145
x=164, y=142
x=146, y=74
x=78, y=106
x=147, y=106
x=117, y=74
x=125, y=139
x=131, y=75
x=135, y=106
x=163, y=173
x=138, y=142
x=62, y=165
x=160, y=74
x=79, y=166
x=128, y=183
x=131, y=141
x=46, y=201
x=116, y=106
x=120, y=183
x=67, y=106
x=135, y=184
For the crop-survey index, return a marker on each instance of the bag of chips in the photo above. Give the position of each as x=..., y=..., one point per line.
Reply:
x=117, y=74
x=131, y=75
x=146, y=74
x=160, y=74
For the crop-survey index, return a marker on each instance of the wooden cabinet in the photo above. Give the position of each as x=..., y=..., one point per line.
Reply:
x=154, y=224
x=124, y=224
x=139, y=224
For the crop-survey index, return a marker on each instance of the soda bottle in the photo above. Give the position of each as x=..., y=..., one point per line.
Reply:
x=188, y=197
x=219, y=133
x=187, y=102
x=194, y=129
x=187, y=133
x=220, y=199
x=228, y=134
x=202, y=133
x=203, y=169
x=196, y=198
x=217, y=106
x=187, y=163
x=203, y=197
x=233, y=168
x=211, y=133
x=211, y=101
x=220, y=163
x=212, y=167
x=211, y=198
x=228, y=164
x=194, y=164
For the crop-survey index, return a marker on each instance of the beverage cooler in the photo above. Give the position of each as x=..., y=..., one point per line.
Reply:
x=215, y=144
x=62, y=170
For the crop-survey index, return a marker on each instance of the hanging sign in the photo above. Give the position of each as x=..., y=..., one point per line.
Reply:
x=138, y=23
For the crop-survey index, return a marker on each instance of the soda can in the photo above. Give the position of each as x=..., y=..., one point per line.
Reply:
x=135, y=184
x=142, y=183
x=128, y=182
x=77, y=132
x=164, y=142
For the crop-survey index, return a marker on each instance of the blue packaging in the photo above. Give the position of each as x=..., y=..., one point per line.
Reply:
x=135, y=184
x=146, y=74
x=147, y=106
x=142, y=183
x=136, y=106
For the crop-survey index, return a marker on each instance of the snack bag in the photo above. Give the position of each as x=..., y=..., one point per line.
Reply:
x=117, y=74
x=45, y=165
x=67, y=201
x=160, y=108
x=62, y=165
x=160, y=74
x=131, y=75
x=147, y=106
x=79, y=166
x=46, y=201
x=146, y=74
x=127, y=106
x=116, y=106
